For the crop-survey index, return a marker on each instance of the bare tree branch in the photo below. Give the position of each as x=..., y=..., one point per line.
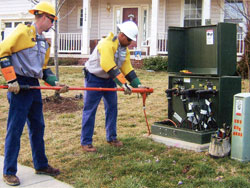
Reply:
x=69, y=12
x=61, y=18
x=60, y=6
x=34, y=1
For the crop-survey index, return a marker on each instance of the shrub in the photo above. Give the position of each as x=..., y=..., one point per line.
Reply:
x=64, y=61
x=242, y=65
x=157, y=63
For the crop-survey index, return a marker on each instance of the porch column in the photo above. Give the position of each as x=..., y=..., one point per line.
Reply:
x=85, y=27
x=206, y=9
x=154, y=28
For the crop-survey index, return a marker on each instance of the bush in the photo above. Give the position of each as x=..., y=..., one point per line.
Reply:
x=242, y=69
x=64, y=61
x=242, y=65
x=157, y=63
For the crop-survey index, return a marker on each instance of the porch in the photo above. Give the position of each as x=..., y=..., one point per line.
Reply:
x=70, y=45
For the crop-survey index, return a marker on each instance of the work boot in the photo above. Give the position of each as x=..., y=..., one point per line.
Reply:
x=88, y=148
x=115, y=143
x=48, y=171
x=12, y=180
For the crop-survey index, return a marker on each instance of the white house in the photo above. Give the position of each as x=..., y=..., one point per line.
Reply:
x=83, y=22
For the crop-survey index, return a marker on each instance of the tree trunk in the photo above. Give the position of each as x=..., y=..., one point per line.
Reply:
x=56, y=45
x=57, y=95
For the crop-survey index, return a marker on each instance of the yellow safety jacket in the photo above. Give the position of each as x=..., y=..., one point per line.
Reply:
x=23, y=37
x=102, y=59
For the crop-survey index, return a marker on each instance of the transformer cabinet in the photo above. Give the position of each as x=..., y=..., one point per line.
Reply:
x=201, y=83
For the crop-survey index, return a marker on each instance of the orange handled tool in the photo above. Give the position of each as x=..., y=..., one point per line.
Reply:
x=144, y=92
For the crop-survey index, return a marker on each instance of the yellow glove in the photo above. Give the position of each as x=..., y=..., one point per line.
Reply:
x=14, y=87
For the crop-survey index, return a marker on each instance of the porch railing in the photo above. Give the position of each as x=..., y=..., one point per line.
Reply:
x=162, y=45
x=69, y=42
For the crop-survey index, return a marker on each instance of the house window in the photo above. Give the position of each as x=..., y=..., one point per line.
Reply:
x=16, y=23
x=145, y=25
x=233, y=11
x=27, y=23
x=8, y=25
x=118, y=19
x=81, y=17
x=192, y=13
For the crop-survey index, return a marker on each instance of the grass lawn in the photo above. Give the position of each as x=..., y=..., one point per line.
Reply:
x=141, y=162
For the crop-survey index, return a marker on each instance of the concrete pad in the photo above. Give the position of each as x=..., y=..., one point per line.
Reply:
x=179, y=143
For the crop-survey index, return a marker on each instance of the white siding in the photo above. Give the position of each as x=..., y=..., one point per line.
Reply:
x=215, y=11
x=14, y=6
x=106, y=18
x=63, y=20
x=173, y=12
x=73, y=22
x=162, y=16
x=94, y=30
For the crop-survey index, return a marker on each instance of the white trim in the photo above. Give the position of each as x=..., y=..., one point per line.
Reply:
x=154, y=27
x=144, y=7
x=206, y=9
x=86, y=27
x=182, y=13
x=115, y=8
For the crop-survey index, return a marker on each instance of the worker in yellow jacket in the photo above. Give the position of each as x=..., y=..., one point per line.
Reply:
x=24, y=55
x=108, y=65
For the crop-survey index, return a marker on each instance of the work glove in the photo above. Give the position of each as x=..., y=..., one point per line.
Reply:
x=64, y=88
x=127, y=89
x=14, y=87
x=142, y=86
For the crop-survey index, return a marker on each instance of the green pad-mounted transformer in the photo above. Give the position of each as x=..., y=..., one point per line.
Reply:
x=202, y=82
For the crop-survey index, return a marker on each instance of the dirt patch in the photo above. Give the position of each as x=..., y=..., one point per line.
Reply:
x=62, y=104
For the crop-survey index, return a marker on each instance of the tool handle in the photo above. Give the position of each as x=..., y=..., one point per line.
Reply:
x=22, y=87
x=134, y=90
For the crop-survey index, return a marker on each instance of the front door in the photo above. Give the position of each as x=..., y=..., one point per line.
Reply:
x=132, y=15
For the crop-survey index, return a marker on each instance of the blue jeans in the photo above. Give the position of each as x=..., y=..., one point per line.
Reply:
x=25, y=106
x=91, y=102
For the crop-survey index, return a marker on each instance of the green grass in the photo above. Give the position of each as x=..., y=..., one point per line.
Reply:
x=141, y=162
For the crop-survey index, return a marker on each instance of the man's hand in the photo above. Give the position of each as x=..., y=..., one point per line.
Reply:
x=64, y=88
x=127, y=89
x=14, y=87
x=142, y=86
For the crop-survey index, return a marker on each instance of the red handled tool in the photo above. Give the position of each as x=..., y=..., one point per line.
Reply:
x=144, y=92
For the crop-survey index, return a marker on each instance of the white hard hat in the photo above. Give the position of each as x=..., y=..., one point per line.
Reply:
x=129, y=28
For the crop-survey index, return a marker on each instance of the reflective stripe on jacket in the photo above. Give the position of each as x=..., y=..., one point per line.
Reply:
x=108, y=54
x=29, y=53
